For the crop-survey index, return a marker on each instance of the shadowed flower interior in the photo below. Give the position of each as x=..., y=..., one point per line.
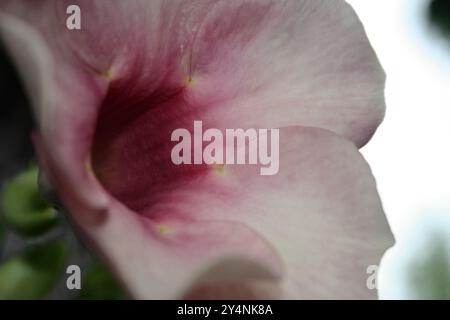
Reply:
x=131, y=146
x=110, y=95
x=198, y=78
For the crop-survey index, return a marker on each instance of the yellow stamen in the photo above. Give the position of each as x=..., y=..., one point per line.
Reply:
x=88, y=167
x=108, y=74
x=219, y=168
x=163, y=229
x=186, y=64
x=188, y=81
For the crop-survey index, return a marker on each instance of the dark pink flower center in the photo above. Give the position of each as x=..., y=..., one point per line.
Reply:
x=132, y=145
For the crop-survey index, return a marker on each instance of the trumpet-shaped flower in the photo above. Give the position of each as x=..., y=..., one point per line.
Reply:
x=108, y=96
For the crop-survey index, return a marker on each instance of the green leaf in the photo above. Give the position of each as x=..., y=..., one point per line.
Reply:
x=439, y=14
x=32, y=273
x=99, y=284
x=430, y=275
x=2, y=231
x=24, y=211
x=2, y=236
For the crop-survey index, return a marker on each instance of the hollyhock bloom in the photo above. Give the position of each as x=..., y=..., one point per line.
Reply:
x=107, y=98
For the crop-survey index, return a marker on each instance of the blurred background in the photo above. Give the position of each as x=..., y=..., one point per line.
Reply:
x=409, y=156
x=410, y=153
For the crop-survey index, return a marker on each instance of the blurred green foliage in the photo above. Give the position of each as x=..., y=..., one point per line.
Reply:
x=24, y=210
x=430, y=276
x=2, y=234
x=32, y=273
x=99, y=284
x=439, y=14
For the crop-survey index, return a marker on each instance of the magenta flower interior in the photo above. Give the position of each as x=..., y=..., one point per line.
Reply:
x=291, y=86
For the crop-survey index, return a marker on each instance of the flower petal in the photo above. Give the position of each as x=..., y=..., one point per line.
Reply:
x=249, y=63
x=321, y=212
x=278, y=66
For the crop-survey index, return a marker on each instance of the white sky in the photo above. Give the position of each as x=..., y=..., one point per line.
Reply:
x=410, y=153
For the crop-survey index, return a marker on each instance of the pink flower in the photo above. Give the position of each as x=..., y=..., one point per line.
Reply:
x=108, y=96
